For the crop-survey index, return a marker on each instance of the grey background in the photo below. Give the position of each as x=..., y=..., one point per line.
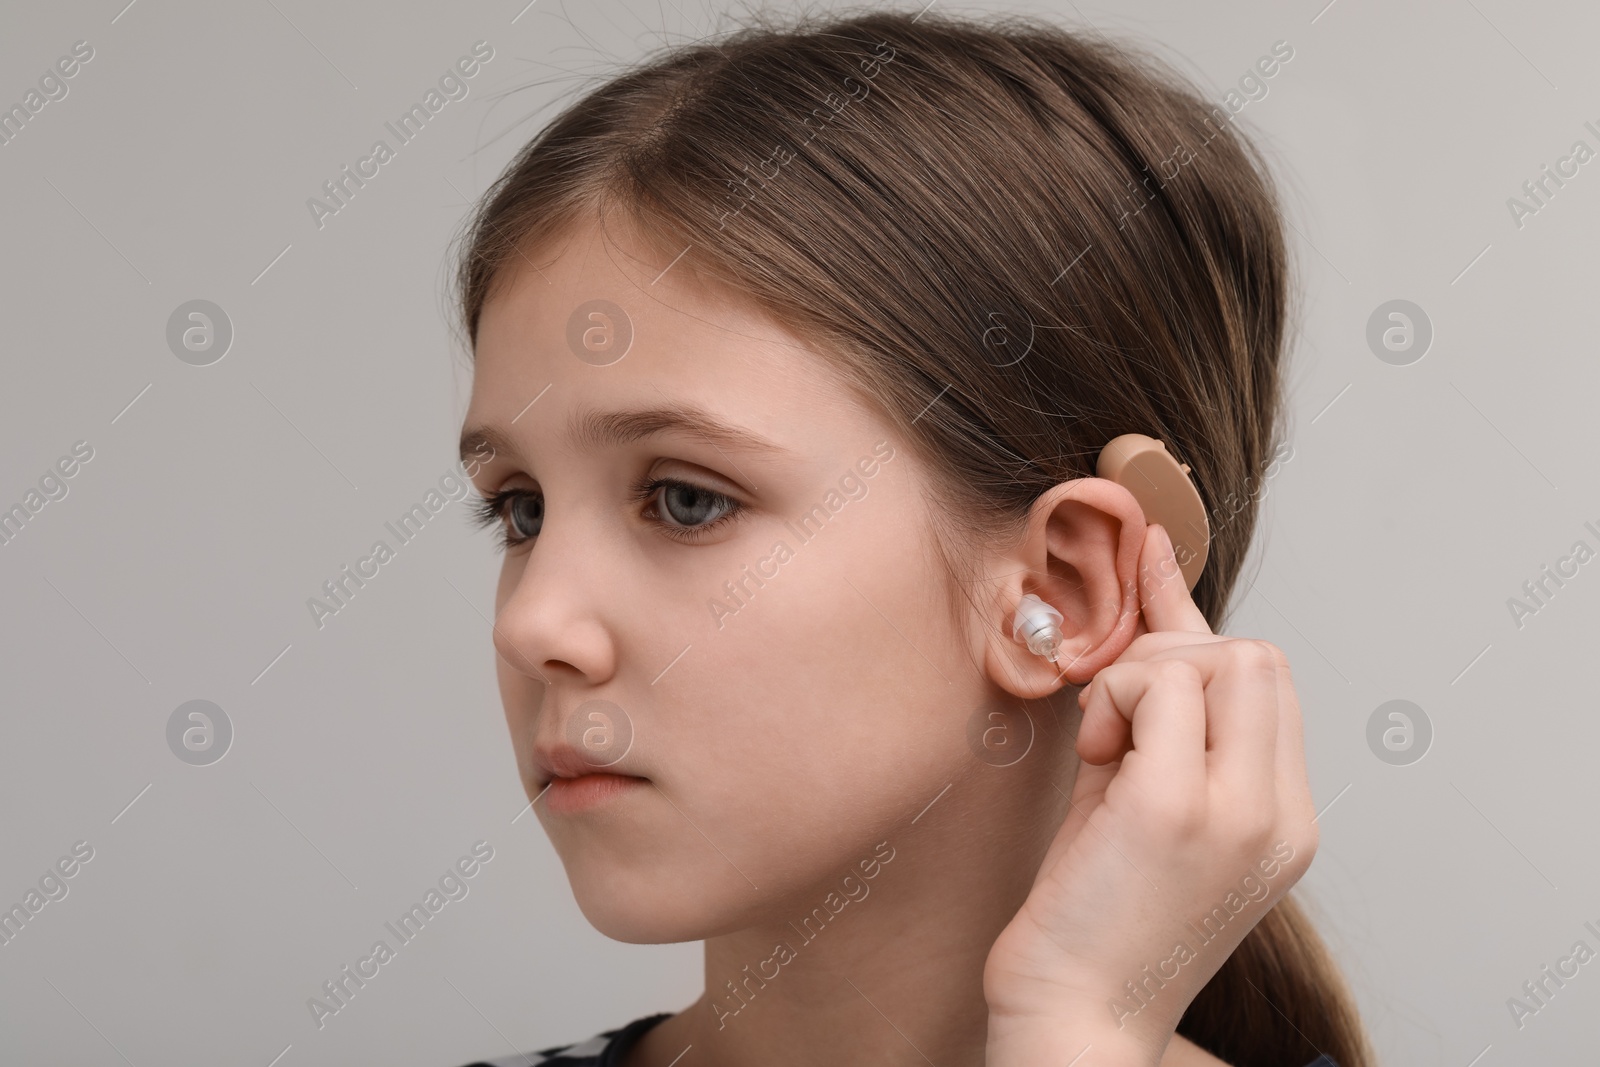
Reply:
x=368, y=755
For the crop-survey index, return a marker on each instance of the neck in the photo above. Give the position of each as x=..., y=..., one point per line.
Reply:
x=886, y=967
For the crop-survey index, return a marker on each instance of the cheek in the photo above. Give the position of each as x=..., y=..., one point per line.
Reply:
x=818, y=715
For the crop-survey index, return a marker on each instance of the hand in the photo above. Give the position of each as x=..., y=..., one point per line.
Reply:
x=1190, y=817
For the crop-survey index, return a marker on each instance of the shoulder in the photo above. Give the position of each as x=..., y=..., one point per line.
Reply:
x=604, y=1049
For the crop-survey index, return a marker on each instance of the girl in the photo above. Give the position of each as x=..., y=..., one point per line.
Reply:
x=794, y=353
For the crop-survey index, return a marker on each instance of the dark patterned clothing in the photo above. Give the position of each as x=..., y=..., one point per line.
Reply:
x=602, y=1050
x=607, y=1049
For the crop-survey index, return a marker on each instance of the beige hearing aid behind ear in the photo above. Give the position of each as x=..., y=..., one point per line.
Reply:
x=1143, y=466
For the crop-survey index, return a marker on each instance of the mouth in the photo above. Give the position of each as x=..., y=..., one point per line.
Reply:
x=555, y=763
x=567, y=796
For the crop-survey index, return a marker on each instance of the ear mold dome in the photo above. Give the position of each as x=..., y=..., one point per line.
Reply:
x=1162, y=486
x=1037, y=625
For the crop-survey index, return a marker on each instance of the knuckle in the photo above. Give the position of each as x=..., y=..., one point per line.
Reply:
x=1104, y=680
x=1256, y=655
x=1178, y=672
x=1277, y=654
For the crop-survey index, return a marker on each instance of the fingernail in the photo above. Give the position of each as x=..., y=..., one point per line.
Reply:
x=1168, y=553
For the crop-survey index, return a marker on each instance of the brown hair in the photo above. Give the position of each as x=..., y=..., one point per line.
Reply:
x=1014, y=241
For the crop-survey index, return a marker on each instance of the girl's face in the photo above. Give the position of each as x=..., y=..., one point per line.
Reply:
x=719, y=542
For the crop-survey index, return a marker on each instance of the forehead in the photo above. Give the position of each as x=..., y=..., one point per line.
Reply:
x=596, y=321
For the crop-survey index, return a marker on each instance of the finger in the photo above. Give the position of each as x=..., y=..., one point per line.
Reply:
x=1161, y=706
x=1242, y=722
x=1241, y=691
x=1163, y=594
x=1297, y=814
x=1294, y=784
x=1152, y=644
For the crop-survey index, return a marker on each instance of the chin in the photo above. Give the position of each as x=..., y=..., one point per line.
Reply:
x=639, y=916
x=654, y=907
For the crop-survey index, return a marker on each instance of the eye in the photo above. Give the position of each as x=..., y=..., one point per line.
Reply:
x=519, y=512
x=690, y=510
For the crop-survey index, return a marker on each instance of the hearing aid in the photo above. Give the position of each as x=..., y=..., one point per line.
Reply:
x=1162, y=486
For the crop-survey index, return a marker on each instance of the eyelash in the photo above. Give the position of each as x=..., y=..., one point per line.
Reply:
x=491, y=510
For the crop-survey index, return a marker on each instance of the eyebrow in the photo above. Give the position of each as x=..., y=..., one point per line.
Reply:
x=592, y=429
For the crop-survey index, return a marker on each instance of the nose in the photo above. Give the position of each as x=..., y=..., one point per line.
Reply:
x=551, y=620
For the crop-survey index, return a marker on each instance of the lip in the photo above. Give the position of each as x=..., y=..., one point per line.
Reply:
x=555, y=762
x=568, y=796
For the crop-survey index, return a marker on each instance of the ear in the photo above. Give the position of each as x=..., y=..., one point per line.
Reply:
x=1080, y=554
